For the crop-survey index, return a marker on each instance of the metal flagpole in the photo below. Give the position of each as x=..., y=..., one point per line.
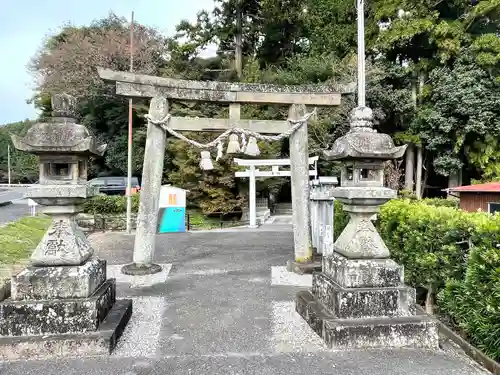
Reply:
x=129, y=156
x=361, y=54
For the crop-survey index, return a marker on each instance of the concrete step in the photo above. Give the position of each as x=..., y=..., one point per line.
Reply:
x=284, y=205
x=286, y=212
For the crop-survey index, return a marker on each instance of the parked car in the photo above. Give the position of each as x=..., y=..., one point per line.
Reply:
x=114, y=185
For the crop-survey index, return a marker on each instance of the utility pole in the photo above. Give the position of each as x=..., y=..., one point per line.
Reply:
x=129, y=155
x=238, y=54
x=8, y=162
x=361, y=54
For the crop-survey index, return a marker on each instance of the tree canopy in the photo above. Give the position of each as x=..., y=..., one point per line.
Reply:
x=451, y=47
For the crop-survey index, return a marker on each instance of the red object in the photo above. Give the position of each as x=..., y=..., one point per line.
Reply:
x=490, y=187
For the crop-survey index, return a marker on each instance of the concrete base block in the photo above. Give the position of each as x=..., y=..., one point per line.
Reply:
x=135, y=269
x=100, y=342
x=45, y=283
x=361, y=303
x=362, y=273
x=57, y=316
x=418, y=331
x=303, y=268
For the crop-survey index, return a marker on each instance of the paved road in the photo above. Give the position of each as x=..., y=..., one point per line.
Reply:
x=223, y=304
x=9, y=196
x=13, y=212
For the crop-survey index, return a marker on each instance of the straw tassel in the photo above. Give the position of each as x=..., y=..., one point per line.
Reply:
x=233, y=146
x=252, y=148
x=206, y=162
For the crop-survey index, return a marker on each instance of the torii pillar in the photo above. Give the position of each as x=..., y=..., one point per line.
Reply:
x=234, y=94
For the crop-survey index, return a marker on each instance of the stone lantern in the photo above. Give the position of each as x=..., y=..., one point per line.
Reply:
x=64, y=148
x=359, y=300
x=62, y=303
x=362, y=152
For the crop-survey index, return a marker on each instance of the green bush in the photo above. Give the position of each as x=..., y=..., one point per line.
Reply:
x=110, y=204
x=340, y=219
x=197, y=220
x=431, y=242
x=405, y=194
x=473, y=303
x=439, y=202
x=430, y=239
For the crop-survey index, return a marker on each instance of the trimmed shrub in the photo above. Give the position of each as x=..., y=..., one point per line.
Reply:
x=473, y=304
x=431, y=242
x=429, y=238
x=110, y=204
x=439, y=202
x=451, y=252
x=340, y=219
x=405, y=194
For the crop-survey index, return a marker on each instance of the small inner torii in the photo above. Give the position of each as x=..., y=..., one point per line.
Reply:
x=252, y=173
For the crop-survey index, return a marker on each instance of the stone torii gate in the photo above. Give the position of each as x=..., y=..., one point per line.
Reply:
x=234, y=94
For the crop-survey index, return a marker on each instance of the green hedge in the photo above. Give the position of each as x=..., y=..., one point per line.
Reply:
x=433, y=242
x=473, y=303
x=430, y=239
x=439, y=202
x=110, y=204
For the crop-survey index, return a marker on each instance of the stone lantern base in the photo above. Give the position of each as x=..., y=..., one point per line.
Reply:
x=363, y=303
x=61, y=311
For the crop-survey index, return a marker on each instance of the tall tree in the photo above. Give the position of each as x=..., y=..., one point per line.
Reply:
x=68, y=62
x=429, y=35
x=24, y=166
x=460, y=120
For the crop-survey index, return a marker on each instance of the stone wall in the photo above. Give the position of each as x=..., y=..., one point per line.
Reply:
x=91, y=222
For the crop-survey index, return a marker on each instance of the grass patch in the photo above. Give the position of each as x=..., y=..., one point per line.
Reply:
x=19, y=239
x=199, y=221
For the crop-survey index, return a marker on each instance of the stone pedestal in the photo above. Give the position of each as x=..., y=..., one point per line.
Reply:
x=59, y=311
x=363, y=303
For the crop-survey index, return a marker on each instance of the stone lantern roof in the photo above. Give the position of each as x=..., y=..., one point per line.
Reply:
x=363, y=142
x=61, y=134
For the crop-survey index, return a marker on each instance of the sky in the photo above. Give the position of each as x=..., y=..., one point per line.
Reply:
x=25, y=23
